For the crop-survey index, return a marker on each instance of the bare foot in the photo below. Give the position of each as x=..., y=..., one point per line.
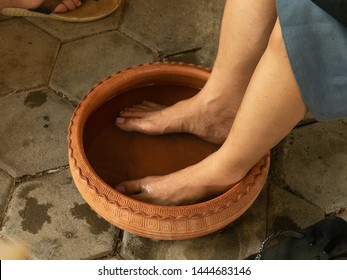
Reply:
x=210, y=119
x=196, y=183
x=64, y=6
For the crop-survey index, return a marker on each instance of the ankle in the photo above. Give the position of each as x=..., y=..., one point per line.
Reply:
x=224, y=172
x=218, y=95
x=236, y=161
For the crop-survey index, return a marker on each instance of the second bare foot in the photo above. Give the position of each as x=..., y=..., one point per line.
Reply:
x=205, y=180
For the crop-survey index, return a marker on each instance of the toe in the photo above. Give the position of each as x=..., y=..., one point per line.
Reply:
x=77, y=3
x=70, y=5
x=145, y=106
x=130, y=187
x=132, y=113
x=140, y=107
x=61, y=8
x=67, y=5
x=153, y=105
x=134, y=124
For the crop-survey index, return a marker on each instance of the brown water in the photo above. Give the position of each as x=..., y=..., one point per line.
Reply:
x=118, y=156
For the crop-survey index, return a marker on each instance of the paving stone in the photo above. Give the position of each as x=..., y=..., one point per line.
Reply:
x=83, y=63
x=236, y=241
x=33, y=131
x=314, y=164
x=289, y=212
x=27, y=56
x=172, y=26
x=52, y=219
x=67, y=31
x=6, y=184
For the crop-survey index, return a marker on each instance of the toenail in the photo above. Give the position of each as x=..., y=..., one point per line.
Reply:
x=120, y=120
x=121, y=189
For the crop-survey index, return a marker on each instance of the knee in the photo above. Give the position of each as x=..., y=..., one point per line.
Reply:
x=276, y=42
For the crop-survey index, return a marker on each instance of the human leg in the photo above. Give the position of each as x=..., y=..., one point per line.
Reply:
x=271, y=107
x=245, y=31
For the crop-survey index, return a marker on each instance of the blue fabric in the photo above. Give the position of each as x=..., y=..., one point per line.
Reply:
x=317, y=49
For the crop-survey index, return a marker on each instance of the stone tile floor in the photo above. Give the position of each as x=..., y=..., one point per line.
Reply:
x=47, y=66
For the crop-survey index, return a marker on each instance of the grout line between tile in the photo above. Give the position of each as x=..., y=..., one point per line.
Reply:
x=40, y=86
x=114, y=252
x=18, y=180
x=118, y=243
x=279, y=174
x=122, y=13
x=7, y=204
x=41, y=173
x=299, y=195
x=6, y=173
x=66, y=41
x=63, y=96
x=54, y=63
x=88, y=36
x=154, y=51
x=41, y=29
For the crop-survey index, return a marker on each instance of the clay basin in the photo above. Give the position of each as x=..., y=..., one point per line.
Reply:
x=101, y=156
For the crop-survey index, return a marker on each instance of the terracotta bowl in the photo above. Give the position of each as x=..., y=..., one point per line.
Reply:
x=144, y=219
